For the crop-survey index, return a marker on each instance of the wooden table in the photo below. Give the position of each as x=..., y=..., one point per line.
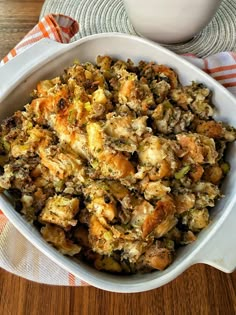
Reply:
x=199, y=290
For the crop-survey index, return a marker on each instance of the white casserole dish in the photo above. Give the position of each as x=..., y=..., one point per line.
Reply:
x=216, y=244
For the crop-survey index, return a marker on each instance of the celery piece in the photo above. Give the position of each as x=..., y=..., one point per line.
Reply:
x=181, y=173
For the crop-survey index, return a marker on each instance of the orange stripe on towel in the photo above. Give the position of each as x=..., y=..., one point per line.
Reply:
x=225, y=76
x=221, y=68
x=229, y=84
x=3, y=222
x=71, y=279
x=54, y=28
x=43, y=29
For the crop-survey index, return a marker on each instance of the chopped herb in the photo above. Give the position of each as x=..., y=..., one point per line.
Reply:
x=167, y=104
x=108, y=236
x=181, y=173
x=72, y=116
x=94, y=164
x=88, y=106
x=225, y=167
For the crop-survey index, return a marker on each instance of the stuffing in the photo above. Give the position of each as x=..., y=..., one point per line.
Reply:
x=116, y=163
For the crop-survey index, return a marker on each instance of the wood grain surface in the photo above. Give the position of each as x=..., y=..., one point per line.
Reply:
x=199, y=290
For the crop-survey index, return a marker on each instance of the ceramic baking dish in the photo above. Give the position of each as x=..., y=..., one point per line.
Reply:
x=216, y=245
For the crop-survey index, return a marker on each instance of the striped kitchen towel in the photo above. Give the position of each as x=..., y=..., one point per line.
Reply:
x=57, y=27
x=17, y=255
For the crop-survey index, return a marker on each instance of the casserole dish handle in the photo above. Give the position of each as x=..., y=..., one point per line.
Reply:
x=220, y=251
x=31, y=58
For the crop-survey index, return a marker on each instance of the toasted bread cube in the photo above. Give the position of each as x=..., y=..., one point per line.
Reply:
x=56, y=236
x=107, y=263
x=61, y=211
x=99, y=96
x=158, y=258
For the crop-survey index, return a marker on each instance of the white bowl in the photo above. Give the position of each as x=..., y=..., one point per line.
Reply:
x=216, y=244
x=170, y=21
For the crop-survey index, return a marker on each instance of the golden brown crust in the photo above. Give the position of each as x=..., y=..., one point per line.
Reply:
x=163, y=209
